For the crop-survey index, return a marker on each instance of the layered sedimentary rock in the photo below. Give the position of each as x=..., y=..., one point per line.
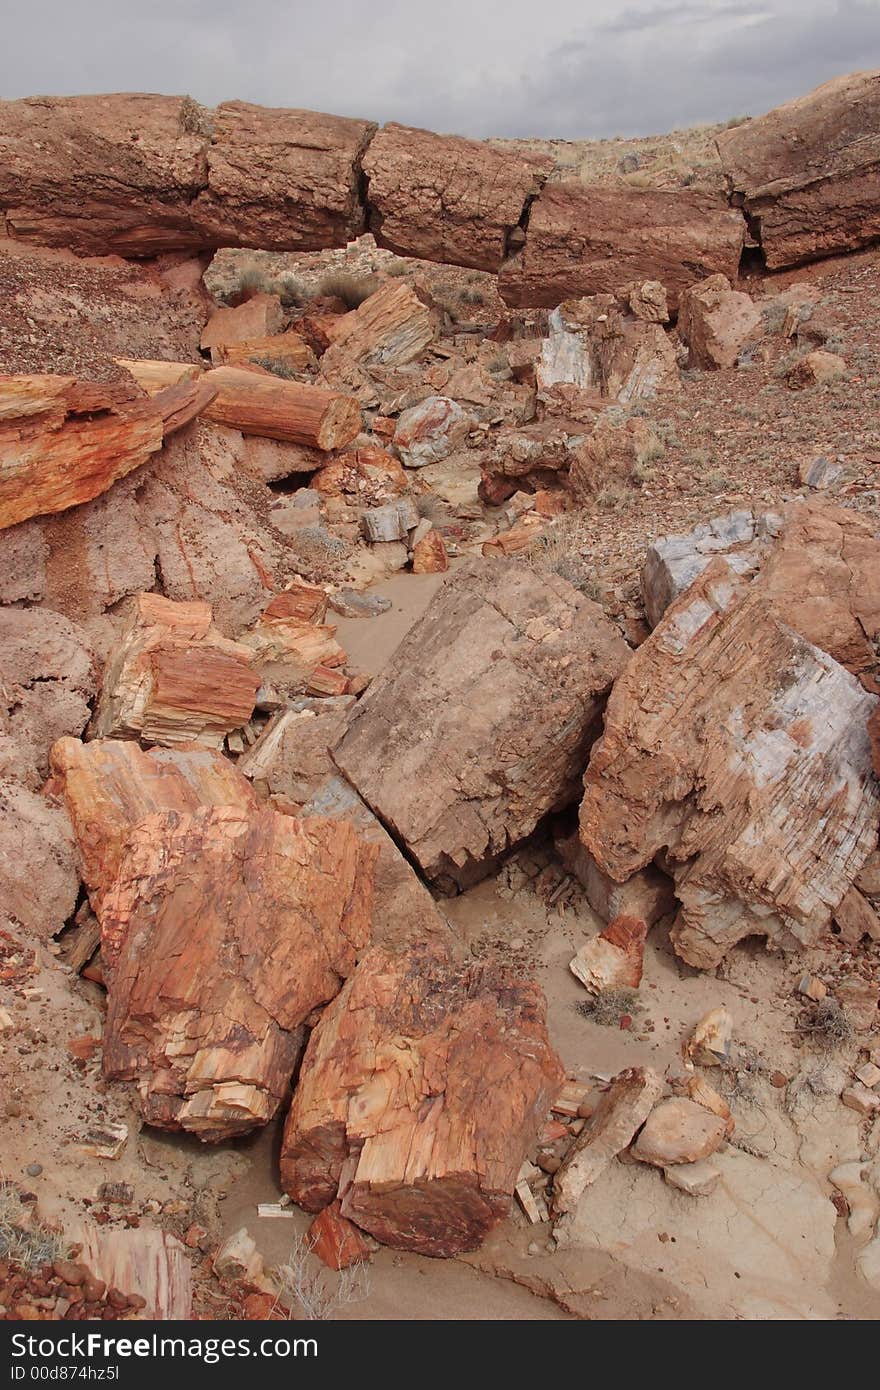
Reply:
x=807, y=172
x=482, y=720
x=589, y=239
x=223, y=929
x=110, y=785
x=444, y=198
x=742, y=751
x=420, y=1092
x=63, y=442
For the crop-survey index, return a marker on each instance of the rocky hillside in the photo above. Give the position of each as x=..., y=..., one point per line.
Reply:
x=439, y=733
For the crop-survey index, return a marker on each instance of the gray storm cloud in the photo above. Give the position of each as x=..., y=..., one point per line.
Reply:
x=563, y=69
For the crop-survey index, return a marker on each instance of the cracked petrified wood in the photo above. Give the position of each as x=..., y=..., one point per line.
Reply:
x=110, y=785
x=256, y=402
x=223, y=929
x=807, y=172
x=63, y=441
x=174, y=678
x=482, y=721
x=420, y=1092
x=742, y=751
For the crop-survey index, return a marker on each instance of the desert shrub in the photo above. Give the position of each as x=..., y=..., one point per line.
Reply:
x=29, y=1243
x=396, y=267
x=276, y=367
x=559, y=550
x=351, y=289
x=471, y=296
x=311, y=1292
x=826, y=1022
x=609, y=1007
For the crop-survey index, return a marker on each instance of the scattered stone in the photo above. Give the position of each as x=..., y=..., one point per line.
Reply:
x=717, y=322
x=349, y=604
x=856, y=918
x=335, y=1240
x=697, y=1179
x=614, y=958
x=819, y=473
x=238, y=1258
x=861, y=1099
x=817, y=368
x=868, y=1074
x=710, y=1042
x=430, y=431
x=812, y=987
x=678, y=1131
x=623, y=1109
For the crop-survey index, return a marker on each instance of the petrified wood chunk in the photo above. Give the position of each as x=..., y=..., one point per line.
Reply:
x=259, y=403
x=62, y=442
x=392, y=326
x=482, y=721
x=742, y=751
x=110, y=785
x=420, y=1092
x=174, y=677
x=223, y=930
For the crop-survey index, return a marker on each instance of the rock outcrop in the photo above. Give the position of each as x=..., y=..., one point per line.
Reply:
x=420, y=1092
x=48, y=676
x=807, y=172
x=724, y=736
x=483, y=719
x=223, y=929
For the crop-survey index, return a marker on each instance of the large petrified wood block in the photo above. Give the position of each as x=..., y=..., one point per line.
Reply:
x=483, y=719
x=420, y=1092
x=223, y=930
x=740, y=750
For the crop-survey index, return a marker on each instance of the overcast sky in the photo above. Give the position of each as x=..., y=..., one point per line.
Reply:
x=573, y=68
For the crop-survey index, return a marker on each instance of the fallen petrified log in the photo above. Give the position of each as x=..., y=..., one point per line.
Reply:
x=62, y=441
x=420, y=1092
x=258, y=403
x=588, y=239
x=110, y=785
x=482, y=721
x=807, y=172
x=174, y=678
x=445, y=198
x=742, y=751
x=223, y=929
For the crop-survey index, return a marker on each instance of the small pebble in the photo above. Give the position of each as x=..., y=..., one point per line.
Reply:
x=34, y=1170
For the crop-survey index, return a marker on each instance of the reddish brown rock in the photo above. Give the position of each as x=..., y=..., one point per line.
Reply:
x=444, y=198
x=174, y=678
x=335, y=1240
x=39, y=880
x=62, y=442
x=222, y=931
x=609, y=454
x=807, y=172
x=716, y=322
x=623, y=1108
x=818, y=368
x=259, y=403
x=420, y=1092
x=430, y=431
x=492, y=766
x=429, y=554
x=109, y=786
x=596, y=348
x=856, y=918
x=370, y=475
x=283, y=353
x=614, y=958
x=258, y=317
x=723, y=735
x=392, y=326
x=587, y=239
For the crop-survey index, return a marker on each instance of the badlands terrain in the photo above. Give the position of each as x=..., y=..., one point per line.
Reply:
x=439, y=677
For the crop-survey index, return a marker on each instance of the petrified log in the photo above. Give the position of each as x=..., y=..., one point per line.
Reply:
x=482, y=720
x=152, y=1264
x=595, y=347
x=286, y=350
x=392, y=326
x=223, y=929
x=174, y=678
x=420, y=1092
x=742, y=751
x=390, y=522
x=807, y=172
x=306, y=602
x=288, y=650
x=263, y=404
x=62, y=442
x=444, y=198
x=588, y=239
x=674, y=562
x=613, y=959
x=429, y=555
x=109, y=786
x=153, y=376
x=291, y=758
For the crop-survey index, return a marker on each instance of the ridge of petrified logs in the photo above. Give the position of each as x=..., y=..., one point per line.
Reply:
x=223, y=930
x=174, y=678
x=742, y=751
x=589, y=239
x=482, y=721
x=442, y=197
x=258, y=403
x=110, y=785
x=63, y=442
x=807, y=172
x=421, y=1089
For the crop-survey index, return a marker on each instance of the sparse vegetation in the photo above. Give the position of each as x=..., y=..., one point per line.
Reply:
x=827, y=1024
x=351, y=289
x=276, y=367
x=24, y=1239
x=559, y=550
x=610, y=1007
x=309, y=1292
